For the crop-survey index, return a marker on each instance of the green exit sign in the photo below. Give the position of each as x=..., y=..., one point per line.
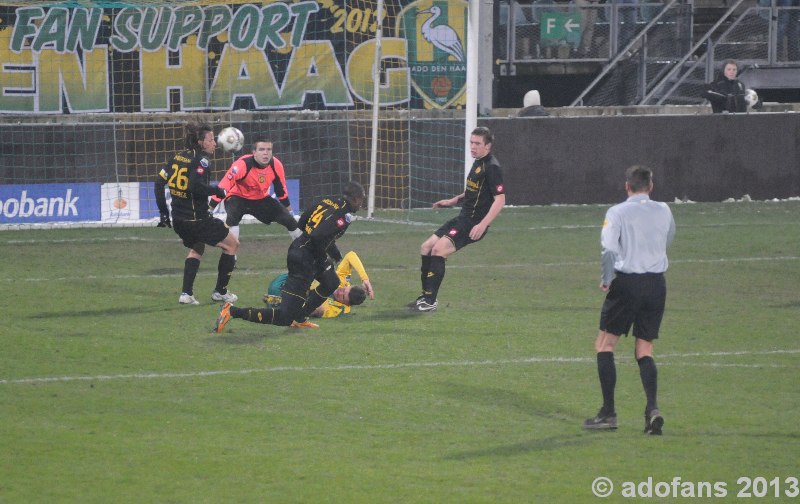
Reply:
x=561, y=26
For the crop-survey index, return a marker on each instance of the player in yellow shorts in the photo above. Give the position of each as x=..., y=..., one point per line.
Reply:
x=343, y=298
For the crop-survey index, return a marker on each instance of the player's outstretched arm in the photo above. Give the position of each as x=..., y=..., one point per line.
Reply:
x=448, y=202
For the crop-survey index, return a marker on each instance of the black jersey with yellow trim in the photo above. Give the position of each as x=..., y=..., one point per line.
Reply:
x=484, y=182
x=187, y=177
x=322, y=224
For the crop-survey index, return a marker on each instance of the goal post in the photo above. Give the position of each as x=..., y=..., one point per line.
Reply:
x=469, y=100
x=471, y=116
x=376, y=105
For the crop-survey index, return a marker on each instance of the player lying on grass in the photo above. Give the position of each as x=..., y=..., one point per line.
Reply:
x=342, y=299
x=307, y=260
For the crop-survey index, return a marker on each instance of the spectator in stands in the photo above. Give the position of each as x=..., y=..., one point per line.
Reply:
x=532, y=105
x=726, y=93
x=588, y=10
x=514, y=14
x=628, y=13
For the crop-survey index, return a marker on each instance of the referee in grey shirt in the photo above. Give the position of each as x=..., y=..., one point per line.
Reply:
x=635, y=237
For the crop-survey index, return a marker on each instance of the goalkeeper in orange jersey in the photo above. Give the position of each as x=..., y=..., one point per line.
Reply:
x=343, y=298
x=248, y=182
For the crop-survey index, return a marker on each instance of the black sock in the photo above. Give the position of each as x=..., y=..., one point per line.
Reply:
x=607, y=371
x=224, y=269
x=649, y=375
x=424, y=269
x=190, y=267
x=430, y=287
x=257, y=315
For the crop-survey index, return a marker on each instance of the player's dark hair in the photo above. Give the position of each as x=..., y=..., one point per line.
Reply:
x=353, y=191
x=484, y=133
x=357, y=295
x=195, y=132
x=639, y=178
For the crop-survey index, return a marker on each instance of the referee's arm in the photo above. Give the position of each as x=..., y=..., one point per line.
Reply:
x=609, y=240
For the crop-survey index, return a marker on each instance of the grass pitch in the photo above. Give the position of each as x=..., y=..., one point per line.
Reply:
x=112, y=392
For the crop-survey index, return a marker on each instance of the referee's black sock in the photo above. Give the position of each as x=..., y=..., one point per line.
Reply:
x=190, y=267
x=649, y=375
x=607, y=371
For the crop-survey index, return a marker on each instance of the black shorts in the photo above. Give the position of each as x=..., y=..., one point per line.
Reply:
x=457, y=230
x=304, y=268
x=267, y=210
x=636, y=300
x=208, y=230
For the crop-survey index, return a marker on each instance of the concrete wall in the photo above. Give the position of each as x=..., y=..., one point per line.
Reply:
x=564, y=158
x=700, y=157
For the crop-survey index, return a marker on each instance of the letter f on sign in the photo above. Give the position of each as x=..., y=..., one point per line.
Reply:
x=551, y=24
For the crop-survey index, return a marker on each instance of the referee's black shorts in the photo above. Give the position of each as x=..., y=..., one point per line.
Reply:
x=637, y=300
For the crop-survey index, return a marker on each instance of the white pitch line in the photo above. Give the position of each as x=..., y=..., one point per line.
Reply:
x=405, y=365
x=721, y=365
x=414, y=268
x=169, y=238
x=730, y=354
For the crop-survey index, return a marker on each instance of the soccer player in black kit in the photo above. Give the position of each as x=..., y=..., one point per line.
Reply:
x=482, y=200
x=187, y=176
x=322, y=224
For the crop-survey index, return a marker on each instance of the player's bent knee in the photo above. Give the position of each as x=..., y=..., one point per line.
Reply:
x=195, y=254
x=230, y=244
x=443, y=249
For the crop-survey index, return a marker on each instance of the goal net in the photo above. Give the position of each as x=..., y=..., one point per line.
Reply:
x=94, y=98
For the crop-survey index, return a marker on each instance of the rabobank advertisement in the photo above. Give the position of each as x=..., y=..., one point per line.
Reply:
x=30, y=203
x=108, y=203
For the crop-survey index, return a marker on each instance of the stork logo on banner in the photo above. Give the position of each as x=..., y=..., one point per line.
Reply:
x=436, y=34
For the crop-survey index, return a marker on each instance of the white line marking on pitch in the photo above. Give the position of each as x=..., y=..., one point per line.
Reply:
x=246, y=272
x=407, y=365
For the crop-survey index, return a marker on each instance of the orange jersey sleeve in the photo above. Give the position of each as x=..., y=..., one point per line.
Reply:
x=279, y=184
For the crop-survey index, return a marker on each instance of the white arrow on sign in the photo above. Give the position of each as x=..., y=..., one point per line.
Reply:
x=570, y=24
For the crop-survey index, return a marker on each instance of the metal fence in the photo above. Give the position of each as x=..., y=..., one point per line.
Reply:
x=650, y=52
x=764, y=41
x=583, y=30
